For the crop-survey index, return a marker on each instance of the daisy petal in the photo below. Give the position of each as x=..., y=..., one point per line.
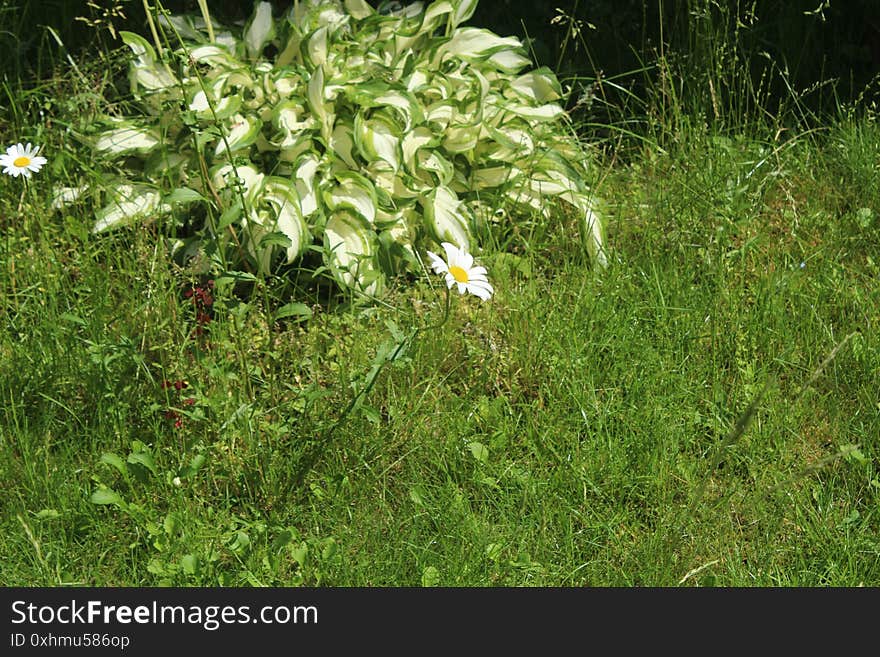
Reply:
x=466, y=260
x=437, y=263
x=451, y=252
x=483, y=294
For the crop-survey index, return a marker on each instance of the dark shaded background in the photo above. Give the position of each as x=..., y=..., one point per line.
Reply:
x=840, y=43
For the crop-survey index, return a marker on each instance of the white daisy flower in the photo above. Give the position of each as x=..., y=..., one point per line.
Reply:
x=459, y=269
x=21, y=160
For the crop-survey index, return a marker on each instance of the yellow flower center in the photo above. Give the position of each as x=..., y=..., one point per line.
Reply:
x=459, y=274
x=22, y=161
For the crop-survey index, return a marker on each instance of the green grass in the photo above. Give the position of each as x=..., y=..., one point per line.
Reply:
x=702, y=413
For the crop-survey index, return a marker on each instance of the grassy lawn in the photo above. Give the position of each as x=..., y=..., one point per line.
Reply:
x=704, y=412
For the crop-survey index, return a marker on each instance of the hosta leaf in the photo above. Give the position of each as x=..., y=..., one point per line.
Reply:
x=461, y=138
x=153, y=78
x=378, y=125
x=413, y=141
x=288, y=117
x=493, y=176
x=64, y=196
x=213, y=55
x=129, y=203
x=508, y=61
x=464, y=9
x=474, y=43
x=231, y=176
x=349, y=249
x=125, y=140
x=405, y=104
x=220, y=104
x=242, y=132
x=142, y=48
x=547, y=112
x=342, y=143
x=595, y=232
x=445, y=218
x=318, y=104
x=146, y=71
x=433, y=162
x=316, y=46
x=304, y=175
x=281, y=195
x=355, y=192
x=260, y=29
x=539, y=86
x=376, y=138
x=358, y=9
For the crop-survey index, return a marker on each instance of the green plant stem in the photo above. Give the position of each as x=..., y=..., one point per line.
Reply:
x=317, y=448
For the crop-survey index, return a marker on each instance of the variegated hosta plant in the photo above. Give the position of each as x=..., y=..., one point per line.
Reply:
x=363, y=133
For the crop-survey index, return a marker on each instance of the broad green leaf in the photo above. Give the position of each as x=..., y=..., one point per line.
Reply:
x=144, y=459
x=183, y=25
x=430, y=577
x=298, y=310
x=184, y=195
x=115, y=461
x=105, y=495
x=229, y=216
x=189, y=563
x=480, y=451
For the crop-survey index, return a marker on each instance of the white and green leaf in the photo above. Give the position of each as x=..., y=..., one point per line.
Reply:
x=446, y=217
x=125, y=140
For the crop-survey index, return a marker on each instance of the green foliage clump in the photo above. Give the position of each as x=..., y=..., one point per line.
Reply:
x=339, y=128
